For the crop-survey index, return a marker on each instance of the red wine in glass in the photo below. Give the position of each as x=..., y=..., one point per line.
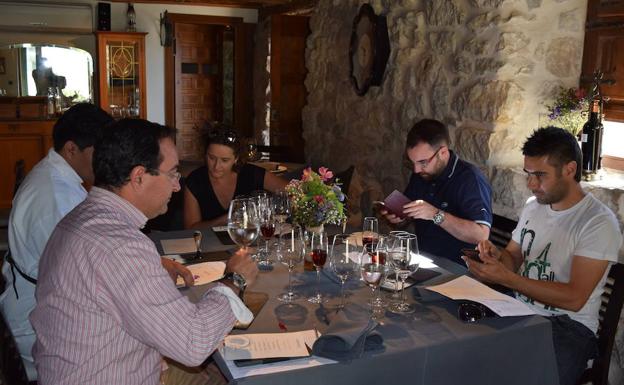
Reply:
x=319, y=257
x=369, y=240
x=378, y=257
x=267, y=229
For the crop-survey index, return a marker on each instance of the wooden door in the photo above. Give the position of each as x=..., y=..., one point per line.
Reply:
x=288, y=72
x=198, y=80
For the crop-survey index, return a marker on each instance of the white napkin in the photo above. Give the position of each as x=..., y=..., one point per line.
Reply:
x=241, y=312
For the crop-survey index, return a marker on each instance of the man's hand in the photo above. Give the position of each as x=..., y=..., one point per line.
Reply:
x=419, y=209
x=492, y=269
x=242, y=263
x=390, y=217
x=176, y=269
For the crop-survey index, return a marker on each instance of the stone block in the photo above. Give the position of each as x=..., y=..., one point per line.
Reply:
x=563, y=56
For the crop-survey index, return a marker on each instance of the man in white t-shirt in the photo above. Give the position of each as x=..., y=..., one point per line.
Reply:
x=561, y=250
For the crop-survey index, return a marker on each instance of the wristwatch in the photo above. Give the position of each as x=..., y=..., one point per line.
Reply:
x=239, y=281
x=438, y=218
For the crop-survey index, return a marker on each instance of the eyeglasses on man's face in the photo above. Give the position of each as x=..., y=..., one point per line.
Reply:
x=173, y=175
x=425, y=162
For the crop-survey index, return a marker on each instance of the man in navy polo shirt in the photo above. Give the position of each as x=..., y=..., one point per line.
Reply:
x=451, y=204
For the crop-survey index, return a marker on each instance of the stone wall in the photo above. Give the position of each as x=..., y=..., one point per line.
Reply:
x=484, y=67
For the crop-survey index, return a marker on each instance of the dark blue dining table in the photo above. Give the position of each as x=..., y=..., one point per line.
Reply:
x=430, y=346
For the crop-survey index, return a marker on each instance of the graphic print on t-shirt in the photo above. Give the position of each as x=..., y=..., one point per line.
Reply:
x=535, y=268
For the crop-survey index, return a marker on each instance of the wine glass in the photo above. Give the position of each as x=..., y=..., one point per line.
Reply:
x=281, y=211
x=394, y=251
x=406, y=262
x=370, y=231
x=378, y=253
x=372, y=274
x=243, y=222
x=318, y=249
x=291, y=256
x=267, y=226
x=341, y=261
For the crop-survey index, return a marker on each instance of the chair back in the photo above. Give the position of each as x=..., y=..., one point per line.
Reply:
x=20, y=174
x=609, y=316
x=12, y=370
x=500, y=233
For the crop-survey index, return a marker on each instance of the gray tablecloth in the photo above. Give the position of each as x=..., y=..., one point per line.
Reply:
x=430, y=346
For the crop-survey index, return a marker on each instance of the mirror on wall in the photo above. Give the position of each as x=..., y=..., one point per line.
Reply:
x=38, y=70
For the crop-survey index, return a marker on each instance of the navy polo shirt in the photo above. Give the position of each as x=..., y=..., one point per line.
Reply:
x=461, y=190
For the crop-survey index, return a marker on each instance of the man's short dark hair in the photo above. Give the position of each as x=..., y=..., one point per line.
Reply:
x=83, y=124
x=126, y=144
x=430, y=131
x=558, y=144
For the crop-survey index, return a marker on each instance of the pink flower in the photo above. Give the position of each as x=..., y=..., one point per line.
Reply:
x=325, y=174
x=318, y=198
x=307, y=174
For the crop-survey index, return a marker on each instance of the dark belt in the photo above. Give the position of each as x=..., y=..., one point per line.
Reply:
x=10, y=261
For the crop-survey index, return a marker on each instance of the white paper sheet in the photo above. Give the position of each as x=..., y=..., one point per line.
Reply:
x=204, y=272
x=178, y=246
x=267, y=345
x=217, y=229
x=465, y=287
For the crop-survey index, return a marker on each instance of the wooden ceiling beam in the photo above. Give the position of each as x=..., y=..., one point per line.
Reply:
x=294, y=7
x=257, y=4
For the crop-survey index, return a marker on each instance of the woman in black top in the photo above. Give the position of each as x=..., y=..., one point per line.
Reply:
x=210, y=188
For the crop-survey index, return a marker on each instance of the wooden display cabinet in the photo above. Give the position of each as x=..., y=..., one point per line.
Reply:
x=121, y=72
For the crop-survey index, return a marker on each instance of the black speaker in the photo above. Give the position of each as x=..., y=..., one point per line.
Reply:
x=103, y=16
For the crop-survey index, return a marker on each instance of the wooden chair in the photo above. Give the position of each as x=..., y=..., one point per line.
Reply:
x=609, y=315
x=12, y=370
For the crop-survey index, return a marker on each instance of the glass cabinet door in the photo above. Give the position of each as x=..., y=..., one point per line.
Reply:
x=121, y=69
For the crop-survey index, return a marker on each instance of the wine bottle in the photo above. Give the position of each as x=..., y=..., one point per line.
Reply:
x=591, y=140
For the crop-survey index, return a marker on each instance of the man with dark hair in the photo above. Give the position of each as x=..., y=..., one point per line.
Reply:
x=106, y=309
x=559, y=256
x=451, y=199
x=49, y=191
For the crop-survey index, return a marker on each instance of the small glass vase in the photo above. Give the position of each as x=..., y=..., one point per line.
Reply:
x=308, y=265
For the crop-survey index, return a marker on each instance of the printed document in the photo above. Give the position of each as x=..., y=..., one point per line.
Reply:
x=268, y=345
x=204, y=273
x=468, y=288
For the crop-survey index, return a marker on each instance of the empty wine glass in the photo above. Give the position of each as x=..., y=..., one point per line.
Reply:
x=394, y=251
x=370, y=231
x=281, y=211
x=243, y=222
x=318, y=249
x=291, y=255
x=343, y=260
x=406, y=261
x=267, y=226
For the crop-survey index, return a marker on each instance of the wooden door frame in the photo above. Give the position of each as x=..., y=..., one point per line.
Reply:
x=242, y=119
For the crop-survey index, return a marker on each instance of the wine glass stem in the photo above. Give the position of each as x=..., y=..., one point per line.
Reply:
x=290, y=290
x=403, y=291
x=318, y=282
x=342, y=297
x=372, y=299
x=396, y=283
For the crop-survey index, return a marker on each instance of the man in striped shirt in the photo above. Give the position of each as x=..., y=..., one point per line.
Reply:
x=107, y=311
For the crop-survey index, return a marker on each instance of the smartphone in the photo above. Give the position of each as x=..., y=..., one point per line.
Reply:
x=472, y=254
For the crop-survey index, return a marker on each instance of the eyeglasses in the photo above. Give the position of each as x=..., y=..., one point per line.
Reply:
x=425, y=162
x=539, y=175
x=173, y=175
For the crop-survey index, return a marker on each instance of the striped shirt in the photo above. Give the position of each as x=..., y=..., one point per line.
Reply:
x=107, y=310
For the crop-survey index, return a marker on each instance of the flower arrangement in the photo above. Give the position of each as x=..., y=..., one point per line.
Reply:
x=316, y=199
x=569, y=110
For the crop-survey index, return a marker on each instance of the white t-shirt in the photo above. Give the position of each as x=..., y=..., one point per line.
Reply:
x=549, y=239
x=49, y=191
